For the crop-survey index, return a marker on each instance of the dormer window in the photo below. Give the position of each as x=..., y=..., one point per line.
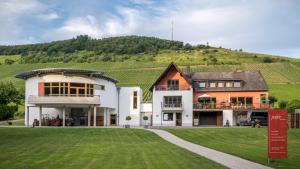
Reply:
x=236, y=84
x=228, y=84
x=202, y=84
x=220, y=84
x=212, y=84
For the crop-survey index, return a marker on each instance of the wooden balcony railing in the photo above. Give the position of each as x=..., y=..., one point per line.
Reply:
x=231, y=106
x=172, y=87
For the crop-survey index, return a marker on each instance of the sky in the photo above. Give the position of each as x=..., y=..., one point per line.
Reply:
x=262, y=26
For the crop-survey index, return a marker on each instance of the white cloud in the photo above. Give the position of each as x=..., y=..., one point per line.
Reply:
x=143, y=2
x=96, y=28
x=251, y=25
x=49, y=16
x=77, y=26
x=11, y=11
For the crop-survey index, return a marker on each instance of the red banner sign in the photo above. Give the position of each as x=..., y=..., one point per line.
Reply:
x=277, y=133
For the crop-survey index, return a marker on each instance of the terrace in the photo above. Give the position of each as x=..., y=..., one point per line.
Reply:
x=222, y=106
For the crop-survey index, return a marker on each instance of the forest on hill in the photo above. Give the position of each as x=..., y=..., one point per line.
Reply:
x=84, y=49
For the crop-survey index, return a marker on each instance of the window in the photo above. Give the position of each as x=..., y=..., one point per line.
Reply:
x=135, y=99
x=172, y=101
x=220, y=84
x=168, y=116
x=236, y=84
x=102, y=87
x=212, y=84
x=68, y=89
x=173, y=84
x=228, y=84
x=202, y=84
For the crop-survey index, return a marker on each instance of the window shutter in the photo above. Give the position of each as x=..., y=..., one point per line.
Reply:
x=41, y=89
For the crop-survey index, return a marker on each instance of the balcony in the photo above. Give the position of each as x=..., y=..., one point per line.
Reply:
x=171, y=87
x=73, y=99
x=175, y=107
x=222, y=106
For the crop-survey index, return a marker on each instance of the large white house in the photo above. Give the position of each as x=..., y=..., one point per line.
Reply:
x=75, y=97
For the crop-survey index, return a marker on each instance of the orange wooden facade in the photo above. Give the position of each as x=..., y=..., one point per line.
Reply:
x=41, y=89
x=222, y=97
x=173, y=74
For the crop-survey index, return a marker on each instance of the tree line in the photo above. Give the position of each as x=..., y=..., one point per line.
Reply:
x=62, y=50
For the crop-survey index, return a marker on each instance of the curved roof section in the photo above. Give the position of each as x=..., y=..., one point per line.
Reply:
x=66, y=71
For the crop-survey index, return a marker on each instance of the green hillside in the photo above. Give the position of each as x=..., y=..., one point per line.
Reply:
x=283, y=78
x=138, y=61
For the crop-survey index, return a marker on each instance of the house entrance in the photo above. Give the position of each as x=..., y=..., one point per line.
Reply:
x=113, y=119
x=178, y=119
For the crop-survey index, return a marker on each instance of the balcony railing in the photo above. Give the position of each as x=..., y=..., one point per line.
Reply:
x=32, y=99
x=71, y=95
x=230, y=106
x=172, y=87
x=172, y=107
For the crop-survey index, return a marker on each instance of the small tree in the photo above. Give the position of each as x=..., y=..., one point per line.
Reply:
x=272, y=100
x=282, y=104
x=10, y=98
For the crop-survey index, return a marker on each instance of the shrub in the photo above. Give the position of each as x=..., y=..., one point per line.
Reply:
x=282, y=104
x=267, y=60
x=292, y=105
x=128, y=118
x=7, y=111
x=9, y=61
x=106, y=58
x=145, y=118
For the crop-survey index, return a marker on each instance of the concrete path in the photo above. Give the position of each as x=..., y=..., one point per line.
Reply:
x=227, y=160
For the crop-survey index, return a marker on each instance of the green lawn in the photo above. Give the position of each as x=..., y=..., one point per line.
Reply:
x=92, y=148
x=248, y=143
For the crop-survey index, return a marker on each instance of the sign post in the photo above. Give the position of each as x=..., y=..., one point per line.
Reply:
x=277, y=133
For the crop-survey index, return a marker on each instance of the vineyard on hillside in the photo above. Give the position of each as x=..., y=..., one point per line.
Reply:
x=279, y=76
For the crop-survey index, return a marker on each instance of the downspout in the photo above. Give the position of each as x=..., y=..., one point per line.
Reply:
x=118, y=90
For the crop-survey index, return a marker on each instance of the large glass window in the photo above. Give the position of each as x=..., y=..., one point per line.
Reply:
x=68, y=89
x=172, y=101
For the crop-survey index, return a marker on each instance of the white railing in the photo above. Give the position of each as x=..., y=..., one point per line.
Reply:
x=172, y=106
x=32, y=99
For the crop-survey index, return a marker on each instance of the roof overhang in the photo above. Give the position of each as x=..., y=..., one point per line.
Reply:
x=64, y=71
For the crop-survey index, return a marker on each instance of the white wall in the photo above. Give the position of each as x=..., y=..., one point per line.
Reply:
x=146, y=107
x=187, y=114
x=108, y=97
x=126, y=106
x=228, y=115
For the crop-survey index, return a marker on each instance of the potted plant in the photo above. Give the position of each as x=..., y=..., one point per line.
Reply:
x=145, y=118
x=128, y=118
